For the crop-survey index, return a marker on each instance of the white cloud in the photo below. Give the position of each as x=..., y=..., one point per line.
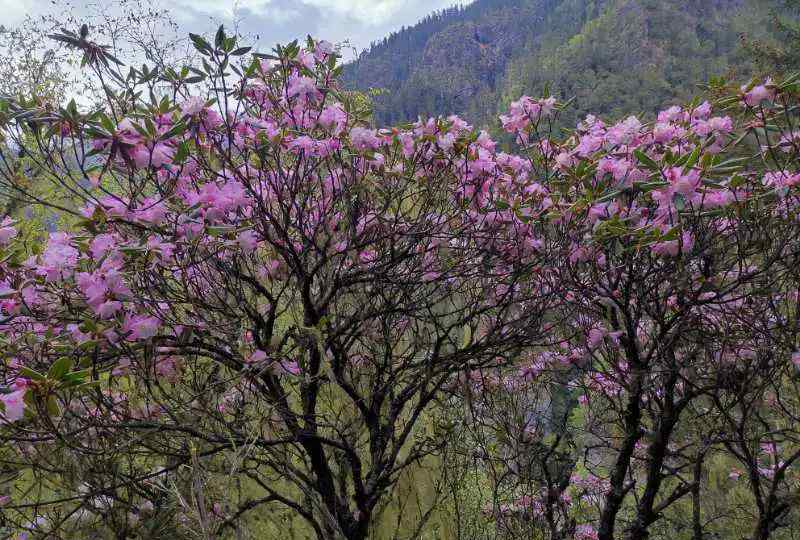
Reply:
x=14, y=11
x=359, y=21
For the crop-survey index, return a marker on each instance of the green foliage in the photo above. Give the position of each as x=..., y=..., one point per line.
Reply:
x=616, y=57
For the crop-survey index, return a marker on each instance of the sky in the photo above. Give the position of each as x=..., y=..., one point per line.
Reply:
x=273, y=21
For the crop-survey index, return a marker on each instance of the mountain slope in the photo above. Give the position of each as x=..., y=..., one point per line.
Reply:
x=613, y=56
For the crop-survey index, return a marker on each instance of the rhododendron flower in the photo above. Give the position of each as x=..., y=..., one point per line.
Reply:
x=702, y=111
x=790, y=142
x=164, y=249
x=168, y=367
x=77, y=335
x=673, y=114
x=588, y=145
x=672, y=248
x=257, y=356
x=526, y=110
x=721, y=124
x=322, y=50
x=14, y=406
x=596, y=337
x=333, y=118
x=156, y=156
x=759, y=93
x=300, y=86
x=585, y=532
x=663, y=132
x=141, y=327
x=685, y=184
x=192, y=106
x=126, y=132
x=211, y=119
x=364, y=139
x=290, y=367
x=719, y=198
x=781, y=179
x=625, y=132
x=108, y=309
x=716, y=126
x=102, y=244
x=59, y=259
x=247, y=240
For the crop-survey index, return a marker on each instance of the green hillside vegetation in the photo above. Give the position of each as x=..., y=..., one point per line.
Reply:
x=614, y=57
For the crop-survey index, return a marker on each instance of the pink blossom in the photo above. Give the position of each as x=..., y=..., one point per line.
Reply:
x=59, y=259
x=672, y=114
x=702, y=111
x=257, y=356
x=781, y=179
x=211, y=119
x=290, y=367
x=192, y=106
x=333, y=118
x=126, y=132
x=585, y=532
x=151, y=156
x=108, y=309
x=141, y=327
x=624, y=132
x=759, y=93
x=672, y=248
x=526, y=110
x=13, y=406
x=102, y=244
x=364, y=139
x=164, y=249
x=303, y=87
x=596, y=337
x=322, y=50
x=247, y=240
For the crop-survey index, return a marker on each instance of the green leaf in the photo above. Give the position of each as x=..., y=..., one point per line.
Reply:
x=200, y=44
x=52, y=406
x=181, y=154
x=609, y=196
x=151, y=127
x=107, y=124
x=177, y=129
x=646, y=160
x=59, y=368
x=737, y=181
x=31, y=374
x=228, y=44
x=694, y=157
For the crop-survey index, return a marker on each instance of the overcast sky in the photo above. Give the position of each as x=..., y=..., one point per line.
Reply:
x=360, y=21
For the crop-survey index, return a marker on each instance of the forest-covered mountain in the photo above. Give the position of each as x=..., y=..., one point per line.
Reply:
x=613, y=56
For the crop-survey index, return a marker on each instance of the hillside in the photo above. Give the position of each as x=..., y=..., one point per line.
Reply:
x=612, y=56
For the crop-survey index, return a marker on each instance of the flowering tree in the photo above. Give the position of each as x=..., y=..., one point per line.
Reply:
x=678, y=324
x=260, y=298
x=257, y=286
